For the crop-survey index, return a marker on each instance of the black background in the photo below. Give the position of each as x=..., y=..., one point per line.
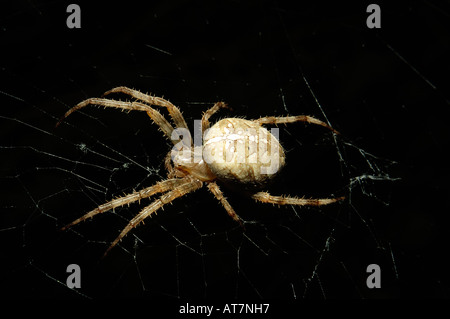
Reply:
x=385, y=90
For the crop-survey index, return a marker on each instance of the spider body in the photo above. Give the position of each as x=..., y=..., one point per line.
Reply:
x=185, y=165
x=237, y=152
x=242, y=153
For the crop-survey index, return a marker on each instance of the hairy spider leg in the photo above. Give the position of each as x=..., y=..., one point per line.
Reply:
x=157, y=117
x=174, y=111
x=208, y=113
x=168, y=197
x=214, y=188
x=159, y=187
x=265, y=197
x=168, y=165
x=292, y=119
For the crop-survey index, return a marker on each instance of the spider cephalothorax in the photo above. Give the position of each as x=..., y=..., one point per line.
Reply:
x=235, y=151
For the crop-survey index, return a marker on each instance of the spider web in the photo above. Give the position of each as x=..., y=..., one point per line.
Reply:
x=262, y=59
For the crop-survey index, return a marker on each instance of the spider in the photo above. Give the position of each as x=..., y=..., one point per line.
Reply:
x=235, y=152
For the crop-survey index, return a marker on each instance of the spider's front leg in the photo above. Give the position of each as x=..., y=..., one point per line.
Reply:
x=157, y=117
x=174, y=111
x=168, y=197
x=160, y=187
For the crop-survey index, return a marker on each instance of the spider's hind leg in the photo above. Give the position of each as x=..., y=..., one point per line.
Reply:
x=265, y=197
x=293, y=119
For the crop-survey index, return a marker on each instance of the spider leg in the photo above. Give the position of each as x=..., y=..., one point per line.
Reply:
x=265, y=197
x=214, y=188
x=208, y=113
x=168, y=197
x=160, y=187
x=174, y=111
x=168, y=165
x=292, y=119
x=157, y=117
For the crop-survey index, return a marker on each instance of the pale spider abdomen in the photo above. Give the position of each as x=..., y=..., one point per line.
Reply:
x=242, y=152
